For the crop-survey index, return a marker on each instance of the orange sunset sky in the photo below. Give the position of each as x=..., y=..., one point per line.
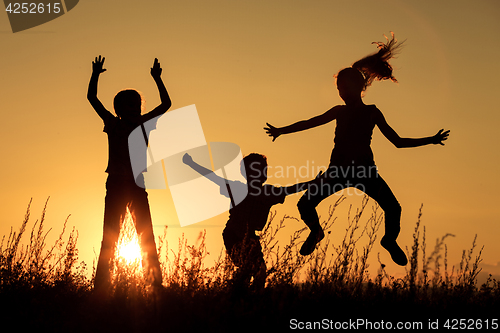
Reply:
x=245, y=63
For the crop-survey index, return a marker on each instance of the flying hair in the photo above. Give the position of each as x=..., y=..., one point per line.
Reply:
x=376, y=66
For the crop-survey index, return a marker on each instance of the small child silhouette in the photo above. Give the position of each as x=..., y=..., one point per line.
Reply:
x=352, y=162
x=248, y=216
x=122, y=189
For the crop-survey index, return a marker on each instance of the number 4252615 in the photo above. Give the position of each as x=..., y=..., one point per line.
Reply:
x=469, y=324
x=33, y=8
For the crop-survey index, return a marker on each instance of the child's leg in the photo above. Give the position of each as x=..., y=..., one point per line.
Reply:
x=307, y=209
x=258, y=268
x=114, y=210
x=230, y=243
x=144, y=226
x=381, y=192
x=248, y=257
x=238, y=253
x=311, y=198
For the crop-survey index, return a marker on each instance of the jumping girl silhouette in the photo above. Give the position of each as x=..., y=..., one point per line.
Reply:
x=352, y=163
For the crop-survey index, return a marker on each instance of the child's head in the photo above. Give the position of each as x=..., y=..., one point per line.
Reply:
x=254, y=168
x=350, y=83
x=128, y=104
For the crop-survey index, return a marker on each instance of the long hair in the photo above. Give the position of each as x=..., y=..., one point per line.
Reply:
x=375, y=66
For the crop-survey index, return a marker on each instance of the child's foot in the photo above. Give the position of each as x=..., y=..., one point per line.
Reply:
x=310, y=244
x=397, y=255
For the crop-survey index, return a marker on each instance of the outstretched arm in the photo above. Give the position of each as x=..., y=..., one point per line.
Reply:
x=97, y=69
x=299, y=187
x=400, y=142
x=166, y=103
x=209, y=174
x=302, y=125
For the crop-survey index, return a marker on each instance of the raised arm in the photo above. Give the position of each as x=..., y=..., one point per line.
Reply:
x=302, y=125
x=166, y=103
x=400, y=142
x=97, y=69
x=209, y=174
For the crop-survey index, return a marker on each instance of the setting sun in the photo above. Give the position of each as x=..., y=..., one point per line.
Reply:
x=128, y=249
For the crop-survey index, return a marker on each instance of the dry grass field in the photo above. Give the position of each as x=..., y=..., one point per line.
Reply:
x=44, y=287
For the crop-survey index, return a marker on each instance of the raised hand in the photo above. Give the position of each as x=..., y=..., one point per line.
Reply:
x=440, y=137
x=272, y=131
x=187, y=159
x=97, y=65
x=156, y=70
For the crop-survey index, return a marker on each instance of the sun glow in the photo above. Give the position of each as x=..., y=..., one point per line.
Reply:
x=128, y=249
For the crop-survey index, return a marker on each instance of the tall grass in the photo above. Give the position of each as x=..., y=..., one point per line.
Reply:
x=34, y=265
x=46, y=287
x=39, y=283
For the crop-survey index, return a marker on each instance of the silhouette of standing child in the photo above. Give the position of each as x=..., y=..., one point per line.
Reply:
x=248, y=216
x=122, y=189
x=352, y=163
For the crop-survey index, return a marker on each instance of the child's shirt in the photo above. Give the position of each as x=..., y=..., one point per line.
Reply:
x=353, y=136
x=118, y=132
x=251, y=214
